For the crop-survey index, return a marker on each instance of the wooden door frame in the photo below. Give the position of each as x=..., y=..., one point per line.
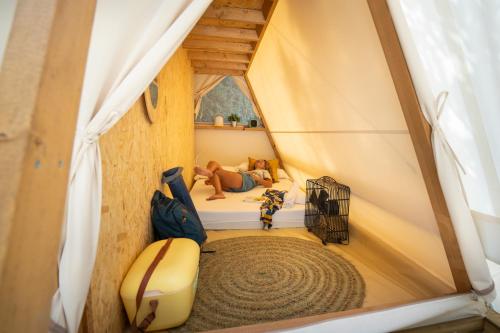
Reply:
x=40, y=86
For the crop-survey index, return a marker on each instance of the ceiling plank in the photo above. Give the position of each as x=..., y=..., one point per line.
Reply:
x=229, y=34
x=218, y=64
x=235, y=14
x=219, y=71
x=230, y=24
x=217, y=56
x=249, y=4
x=195, y=44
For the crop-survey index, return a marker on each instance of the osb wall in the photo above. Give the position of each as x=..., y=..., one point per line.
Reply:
x=134, y=154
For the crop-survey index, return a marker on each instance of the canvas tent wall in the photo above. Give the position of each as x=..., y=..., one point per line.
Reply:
x=336, y=112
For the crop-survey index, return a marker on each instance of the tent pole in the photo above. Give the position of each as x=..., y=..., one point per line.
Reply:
x=261, y=116
x=268, y=8
x=420, y=133
x=40, y=84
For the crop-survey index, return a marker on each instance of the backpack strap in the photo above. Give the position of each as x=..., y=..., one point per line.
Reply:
x=142, y=288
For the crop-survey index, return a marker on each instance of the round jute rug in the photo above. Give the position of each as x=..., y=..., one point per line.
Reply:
x=251, y=280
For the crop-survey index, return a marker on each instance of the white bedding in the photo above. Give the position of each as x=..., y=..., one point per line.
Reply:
x=234, y=213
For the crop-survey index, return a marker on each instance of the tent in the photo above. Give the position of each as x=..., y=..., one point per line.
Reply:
x=346, y=88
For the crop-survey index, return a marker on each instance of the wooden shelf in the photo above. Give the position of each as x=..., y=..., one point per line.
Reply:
x=228, y=127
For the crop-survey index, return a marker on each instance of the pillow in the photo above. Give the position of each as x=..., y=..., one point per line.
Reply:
x=300, y=198
x=282, y=174
x=229, y=168
x=272, y=167
x=242, y=167
x=290, y=195
x=251, y=163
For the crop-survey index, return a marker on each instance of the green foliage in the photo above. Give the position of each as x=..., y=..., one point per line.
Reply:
x=233, y=117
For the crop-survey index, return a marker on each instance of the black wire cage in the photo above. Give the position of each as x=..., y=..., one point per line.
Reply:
x=327, y=210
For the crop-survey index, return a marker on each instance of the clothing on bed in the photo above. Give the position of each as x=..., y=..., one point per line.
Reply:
x=272, y=203
x=248, y=183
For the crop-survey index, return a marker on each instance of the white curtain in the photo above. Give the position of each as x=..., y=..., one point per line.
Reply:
x=7, y=13
x=242, y=84
x=453, y=52
x=203, y=84
x=131, y=41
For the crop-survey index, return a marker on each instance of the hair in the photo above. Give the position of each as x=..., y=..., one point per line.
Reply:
x=266, y=163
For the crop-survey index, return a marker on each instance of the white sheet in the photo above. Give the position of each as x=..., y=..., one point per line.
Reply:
x=234, y=213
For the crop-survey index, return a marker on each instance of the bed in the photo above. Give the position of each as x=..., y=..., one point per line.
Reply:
x=234, y=213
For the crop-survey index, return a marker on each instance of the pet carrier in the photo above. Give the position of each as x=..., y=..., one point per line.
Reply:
x=327, y=210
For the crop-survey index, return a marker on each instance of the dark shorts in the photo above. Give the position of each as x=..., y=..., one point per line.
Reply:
x=248, y=183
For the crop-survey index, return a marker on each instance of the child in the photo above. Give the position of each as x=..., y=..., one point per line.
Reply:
x=230, y=181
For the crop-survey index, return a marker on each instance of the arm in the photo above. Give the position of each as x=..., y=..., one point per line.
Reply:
x=266, y=182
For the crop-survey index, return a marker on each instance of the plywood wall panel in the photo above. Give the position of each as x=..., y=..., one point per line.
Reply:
x=135, y=153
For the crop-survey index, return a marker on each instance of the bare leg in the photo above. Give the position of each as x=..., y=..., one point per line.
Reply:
x=229, y=179
x=215, y=180
x=220, y=179
x=212, y=167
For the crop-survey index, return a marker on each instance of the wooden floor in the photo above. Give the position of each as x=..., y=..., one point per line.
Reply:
x=385, y=283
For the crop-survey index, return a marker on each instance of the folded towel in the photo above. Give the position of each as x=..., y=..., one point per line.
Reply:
x=300, y=198
x=291, y=195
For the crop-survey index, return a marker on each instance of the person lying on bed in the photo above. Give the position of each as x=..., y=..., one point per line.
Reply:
x=229, y=181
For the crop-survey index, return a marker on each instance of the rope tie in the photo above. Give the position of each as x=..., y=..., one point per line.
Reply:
x=433, y=118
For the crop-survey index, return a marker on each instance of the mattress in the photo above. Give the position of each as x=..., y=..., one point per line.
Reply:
x=234, y=213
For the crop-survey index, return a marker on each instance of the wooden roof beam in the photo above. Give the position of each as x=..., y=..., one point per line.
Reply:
x=218, y=64
x=211, y=32
x=217, y=56
x=195, y=44
x=230, y=24
x=249, y=4
x=235, y=14
x=219, y=71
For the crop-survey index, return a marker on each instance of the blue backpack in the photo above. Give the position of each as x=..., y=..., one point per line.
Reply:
x=171, y=218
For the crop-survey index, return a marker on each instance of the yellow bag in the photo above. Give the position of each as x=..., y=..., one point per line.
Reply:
x=161, y=284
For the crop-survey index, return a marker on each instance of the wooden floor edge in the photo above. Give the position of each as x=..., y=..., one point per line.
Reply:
x=309, y=320
x=433, y=284
x=468, y=324
x=488, y=324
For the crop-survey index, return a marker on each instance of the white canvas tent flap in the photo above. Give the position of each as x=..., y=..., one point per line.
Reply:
x=439, y=57
x=131, y=41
